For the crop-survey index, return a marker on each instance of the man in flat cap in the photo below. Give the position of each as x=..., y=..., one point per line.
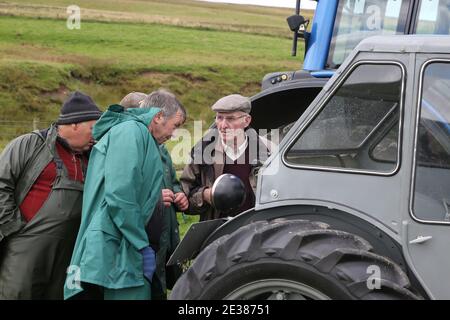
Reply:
x=229, y=147
x=41, y=184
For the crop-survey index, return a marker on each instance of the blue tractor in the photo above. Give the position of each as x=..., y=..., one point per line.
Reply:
x=337, y=27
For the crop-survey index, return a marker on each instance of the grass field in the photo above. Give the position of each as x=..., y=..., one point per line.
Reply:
x=200, y=51
x=188, y=13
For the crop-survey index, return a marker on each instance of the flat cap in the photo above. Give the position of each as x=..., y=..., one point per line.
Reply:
x=231, y=103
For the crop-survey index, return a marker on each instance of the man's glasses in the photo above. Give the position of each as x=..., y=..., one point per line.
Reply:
x=229, y=119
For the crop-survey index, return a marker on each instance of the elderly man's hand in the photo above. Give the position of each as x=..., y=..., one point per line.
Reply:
x=168, y=197
x=207, y=195
x=181, y=201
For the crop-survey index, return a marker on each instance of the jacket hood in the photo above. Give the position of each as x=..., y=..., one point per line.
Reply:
x=117, y=114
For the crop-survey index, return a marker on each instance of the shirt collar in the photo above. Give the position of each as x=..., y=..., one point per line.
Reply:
x=229, y=151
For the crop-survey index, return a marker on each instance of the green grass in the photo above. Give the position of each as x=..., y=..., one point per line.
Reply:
x=185, y=222
x=41, y=61
x=190, y=13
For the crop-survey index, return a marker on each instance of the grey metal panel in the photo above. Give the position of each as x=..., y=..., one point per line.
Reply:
x=369, y=195
x=406, y=43
x=430, y=259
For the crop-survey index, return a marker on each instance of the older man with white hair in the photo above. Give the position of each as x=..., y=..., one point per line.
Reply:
x=235, y=149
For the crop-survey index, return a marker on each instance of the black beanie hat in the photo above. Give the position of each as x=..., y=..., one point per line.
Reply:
x=78, y=108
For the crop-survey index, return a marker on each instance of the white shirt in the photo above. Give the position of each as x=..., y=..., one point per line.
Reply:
x=229, y=151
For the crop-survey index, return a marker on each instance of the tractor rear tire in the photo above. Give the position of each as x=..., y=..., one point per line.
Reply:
x=291, y=260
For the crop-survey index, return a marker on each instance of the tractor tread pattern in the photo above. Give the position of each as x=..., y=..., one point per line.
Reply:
x=339, y=254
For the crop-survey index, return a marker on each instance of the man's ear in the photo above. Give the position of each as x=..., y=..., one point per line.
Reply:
x=248, y=120
x=158, y=118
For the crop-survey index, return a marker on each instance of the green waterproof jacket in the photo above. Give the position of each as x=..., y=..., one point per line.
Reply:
x=122, y=187
x=170, y=237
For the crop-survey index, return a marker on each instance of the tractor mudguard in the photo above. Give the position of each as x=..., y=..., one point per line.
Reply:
x=192, y=242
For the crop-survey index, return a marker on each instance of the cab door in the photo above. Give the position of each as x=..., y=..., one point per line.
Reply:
x=427, y=228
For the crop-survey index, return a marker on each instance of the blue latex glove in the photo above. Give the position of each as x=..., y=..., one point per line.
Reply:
x=149, y=259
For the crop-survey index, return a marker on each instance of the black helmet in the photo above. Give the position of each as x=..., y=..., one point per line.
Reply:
x=228, y=193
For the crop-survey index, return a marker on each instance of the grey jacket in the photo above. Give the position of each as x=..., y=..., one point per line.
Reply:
x=21, y=163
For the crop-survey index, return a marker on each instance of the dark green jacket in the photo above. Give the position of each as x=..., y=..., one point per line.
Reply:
x=170, y=181
x=170, y=236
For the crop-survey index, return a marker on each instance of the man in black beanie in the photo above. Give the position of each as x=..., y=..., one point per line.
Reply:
x=41, y=189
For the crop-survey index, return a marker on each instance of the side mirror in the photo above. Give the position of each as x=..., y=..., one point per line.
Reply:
x=295, y=21
x=298, y=25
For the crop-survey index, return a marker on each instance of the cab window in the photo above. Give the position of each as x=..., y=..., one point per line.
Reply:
x=432, y=158
x=358, y=128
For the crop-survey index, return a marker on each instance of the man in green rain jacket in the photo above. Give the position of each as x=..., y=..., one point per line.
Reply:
x=173, y=196
x=122, y=188
x=174, y=200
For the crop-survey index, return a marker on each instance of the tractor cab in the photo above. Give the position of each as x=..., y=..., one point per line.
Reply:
x=336, y=29
x=339, y=25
